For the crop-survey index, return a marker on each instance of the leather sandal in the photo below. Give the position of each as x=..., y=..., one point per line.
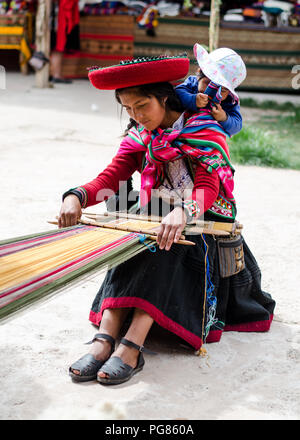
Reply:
x=87, y=365
x=120, y=372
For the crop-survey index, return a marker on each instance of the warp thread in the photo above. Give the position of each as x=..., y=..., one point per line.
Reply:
x=143, y=237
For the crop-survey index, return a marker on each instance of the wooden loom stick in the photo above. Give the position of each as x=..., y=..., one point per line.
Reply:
x=194, y=229
x=127, y=229
x=150, y=234
x=127, y=226
x=146, y=218
x=208, y=225
x=200, y=230
x=120, y=227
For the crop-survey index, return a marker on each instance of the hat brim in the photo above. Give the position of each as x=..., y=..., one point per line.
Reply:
x=211, y=69
x=138, y=72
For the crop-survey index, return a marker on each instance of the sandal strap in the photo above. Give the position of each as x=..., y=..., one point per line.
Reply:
x=102, y=336
x=136, y=346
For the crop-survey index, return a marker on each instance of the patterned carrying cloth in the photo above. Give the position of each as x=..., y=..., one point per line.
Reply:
x=202, y=139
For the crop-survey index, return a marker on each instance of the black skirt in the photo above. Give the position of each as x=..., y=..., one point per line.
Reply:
x=183, y=292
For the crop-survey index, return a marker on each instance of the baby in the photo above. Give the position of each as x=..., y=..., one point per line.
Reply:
x=220, y=73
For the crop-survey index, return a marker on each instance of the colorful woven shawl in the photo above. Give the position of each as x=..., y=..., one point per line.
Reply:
x=201, y=139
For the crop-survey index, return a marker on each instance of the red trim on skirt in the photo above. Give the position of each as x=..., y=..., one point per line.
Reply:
x=168, y=324
x=156, y=314
x=256, y=326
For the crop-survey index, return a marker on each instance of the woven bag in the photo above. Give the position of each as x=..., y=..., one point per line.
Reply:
x=231, y=255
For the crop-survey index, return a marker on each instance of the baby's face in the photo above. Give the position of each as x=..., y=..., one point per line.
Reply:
x=203, y=83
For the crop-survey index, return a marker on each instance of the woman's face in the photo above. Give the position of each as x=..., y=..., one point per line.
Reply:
x=145, y=110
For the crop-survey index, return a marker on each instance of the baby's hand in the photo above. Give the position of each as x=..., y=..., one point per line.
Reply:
x=201, y=100
x=218, y=113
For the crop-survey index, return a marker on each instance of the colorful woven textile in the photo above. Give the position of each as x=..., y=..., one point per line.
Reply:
x=34, y=266
x=202, y=139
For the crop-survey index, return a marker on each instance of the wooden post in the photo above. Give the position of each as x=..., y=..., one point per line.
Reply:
x=214, y=24
x=42, y=40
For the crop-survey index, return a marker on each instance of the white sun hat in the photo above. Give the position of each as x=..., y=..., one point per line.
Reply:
x=223, y=66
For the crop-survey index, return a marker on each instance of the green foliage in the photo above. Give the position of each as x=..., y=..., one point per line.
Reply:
x=273, y=140
x=253, y=146
x=297, y=115
x=270, y=105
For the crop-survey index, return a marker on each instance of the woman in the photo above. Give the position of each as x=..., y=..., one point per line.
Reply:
x=64, y=35
x=178, y=286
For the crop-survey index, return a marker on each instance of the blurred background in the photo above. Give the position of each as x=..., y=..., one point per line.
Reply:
x=266, y=34
x=45, y=43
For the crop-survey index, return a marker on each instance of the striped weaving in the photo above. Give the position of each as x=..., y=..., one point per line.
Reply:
x=34, y=266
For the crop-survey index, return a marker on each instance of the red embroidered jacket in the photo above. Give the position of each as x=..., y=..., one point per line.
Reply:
x=123, y=166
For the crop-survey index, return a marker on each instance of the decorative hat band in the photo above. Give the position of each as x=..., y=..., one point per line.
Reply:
x=139, y=71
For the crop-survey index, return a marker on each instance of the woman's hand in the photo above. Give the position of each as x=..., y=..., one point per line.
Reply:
x=171, y=228
x=70, y=211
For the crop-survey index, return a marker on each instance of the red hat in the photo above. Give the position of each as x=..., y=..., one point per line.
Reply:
x=139, y=71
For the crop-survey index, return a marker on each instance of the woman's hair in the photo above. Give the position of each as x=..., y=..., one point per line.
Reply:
x=159, y=91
